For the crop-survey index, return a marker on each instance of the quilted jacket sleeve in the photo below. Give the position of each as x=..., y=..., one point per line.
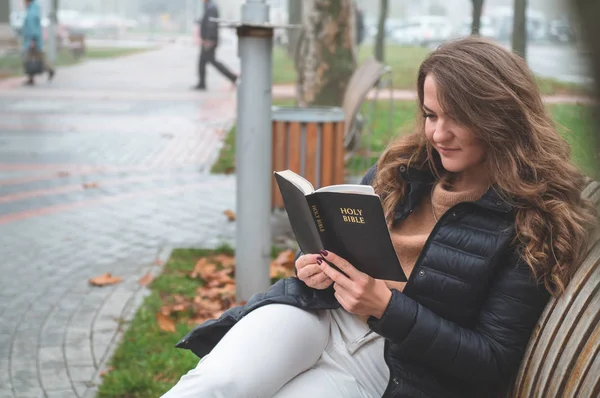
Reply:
x=488, y=353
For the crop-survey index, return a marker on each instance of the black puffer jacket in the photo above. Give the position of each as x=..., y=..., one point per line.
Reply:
x=461, y=325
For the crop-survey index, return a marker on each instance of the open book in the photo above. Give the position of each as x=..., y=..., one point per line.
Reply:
x=346, y=219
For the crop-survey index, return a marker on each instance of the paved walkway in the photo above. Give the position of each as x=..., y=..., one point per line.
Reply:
x=103, y=170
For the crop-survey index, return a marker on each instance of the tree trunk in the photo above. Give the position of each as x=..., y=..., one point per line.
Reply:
x=380, y=40
x=476, y=21
x=588, y=12
x=519, y=30
x=327, y=52
x=294, y=18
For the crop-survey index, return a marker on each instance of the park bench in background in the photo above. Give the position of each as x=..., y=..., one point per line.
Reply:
x=563, y=355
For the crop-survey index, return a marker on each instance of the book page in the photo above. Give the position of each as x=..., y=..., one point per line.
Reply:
x=349, y=188
x=300, y=182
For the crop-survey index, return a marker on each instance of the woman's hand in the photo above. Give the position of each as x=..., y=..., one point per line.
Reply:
x=307, y=267
x=356, y=291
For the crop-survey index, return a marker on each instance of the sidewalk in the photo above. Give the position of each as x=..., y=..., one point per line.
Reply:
x=289, y=92
x=103, y=170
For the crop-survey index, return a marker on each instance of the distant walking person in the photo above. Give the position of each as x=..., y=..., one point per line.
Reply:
x=33, y=43
x=209, y=39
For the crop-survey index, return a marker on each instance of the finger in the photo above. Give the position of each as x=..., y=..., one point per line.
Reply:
x=336, y=275
x=349, y=300
x=308, y=271
x=324, y=285
x=306, y=259
x=342, y=264
x=320, y=278
x=341, y=300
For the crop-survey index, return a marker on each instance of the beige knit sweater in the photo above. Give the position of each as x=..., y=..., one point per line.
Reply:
x=409, y=236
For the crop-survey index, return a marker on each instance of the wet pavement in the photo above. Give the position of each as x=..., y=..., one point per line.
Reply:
x=103, y=170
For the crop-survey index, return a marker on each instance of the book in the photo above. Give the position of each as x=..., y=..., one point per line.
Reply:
x=346, y=219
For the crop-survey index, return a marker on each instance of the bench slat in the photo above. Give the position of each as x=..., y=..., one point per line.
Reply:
x=327, y=154
x=312, y=136
x=583, y=364
x=338, y=165
x=294, y=147
x=279, y=157
x=590, y=387
x=562, y=352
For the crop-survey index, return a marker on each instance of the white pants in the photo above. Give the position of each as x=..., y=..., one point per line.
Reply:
x=282, y=351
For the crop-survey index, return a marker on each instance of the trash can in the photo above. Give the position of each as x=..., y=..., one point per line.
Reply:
x=310, y=142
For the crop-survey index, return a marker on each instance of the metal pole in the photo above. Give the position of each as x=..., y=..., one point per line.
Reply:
x=253, y=153
x=52, y=30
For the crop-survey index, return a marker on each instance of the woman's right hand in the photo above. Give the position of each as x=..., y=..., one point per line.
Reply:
x=309, y=272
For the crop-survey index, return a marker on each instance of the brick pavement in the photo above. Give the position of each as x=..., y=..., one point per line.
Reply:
x=131, y=130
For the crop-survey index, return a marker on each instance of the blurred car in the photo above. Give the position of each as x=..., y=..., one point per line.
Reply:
x=502, y=17
x=422, y=31
x=486, y=28
x=561, y=31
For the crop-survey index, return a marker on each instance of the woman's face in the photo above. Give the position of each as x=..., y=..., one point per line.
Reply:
x=460, y=150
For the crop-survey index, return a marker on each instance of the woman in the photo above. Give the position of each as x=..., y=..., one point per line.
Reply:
x=33, y=43
x=485, y=213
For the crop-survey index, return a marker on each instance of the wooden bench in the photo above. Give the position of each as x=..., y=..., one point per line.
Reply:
x=362, y=82
x=563, y=355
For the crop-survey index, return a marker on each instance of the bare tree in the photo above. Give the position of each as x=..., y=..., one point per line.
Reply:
x=476, y=20
x=327, y=56
x=519, y=29
x=380, y=39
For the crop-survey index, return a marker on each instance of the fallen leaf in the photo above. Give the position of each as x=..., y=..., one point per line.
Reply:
x=286, y=258
x=170, y=309
x=146, y=279
x=203, y=269
x=230, y=215
x=90, y=185
x=278, y=271
x=207, y=305
x=221, y=277
x=106, y=371
x=158, y=261
x=225, y=260
x=104, y=280
x=165, y=323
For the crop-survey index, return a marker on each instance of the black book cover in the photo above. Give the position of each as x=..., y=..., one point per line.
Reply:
x=352, y=225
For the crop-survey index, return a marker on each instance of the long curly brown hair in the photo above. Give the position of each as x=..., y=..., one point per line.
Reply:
x=491, y=91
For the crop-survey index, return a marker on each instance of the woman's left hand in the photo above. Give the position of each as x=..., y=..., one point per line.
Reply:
x=356, y=291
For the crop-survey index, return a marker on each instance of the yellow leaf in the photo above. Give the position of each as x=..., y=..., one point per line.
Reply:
x=286, y=258
x=106, y=371
x=104, y=280
x=146, y=279
x=230, y=215
x=165, y=323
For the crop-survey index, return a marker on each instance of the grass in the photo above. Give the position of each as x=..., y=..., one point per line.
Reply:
x=574, y=120
x=146, y=363
x=405, y=61
x=12, y=64
x=225, y=163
